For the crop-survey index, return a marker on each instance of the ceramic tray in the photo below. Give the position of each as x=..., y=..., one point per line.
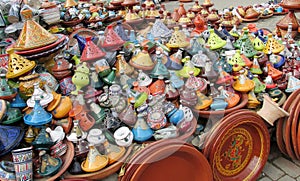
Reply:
x=240, y=149
x=61, y=38
x=206, y=114
x=168, y=154
x=67, y=160
x=102, y=173
x=184, y=163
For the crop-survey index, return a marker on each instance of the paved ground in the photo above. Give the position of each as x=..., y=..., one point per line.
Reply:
x=278, y=167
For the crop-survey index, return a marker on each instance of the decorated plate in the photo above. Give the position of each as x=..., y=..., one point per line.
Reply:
x=48, y=52
x=241, y=148
x=61, y=38
x=174, y=162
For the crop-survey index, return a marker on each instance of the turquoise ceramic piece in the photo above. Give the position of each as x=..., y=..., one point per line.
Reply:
x=10, y=137
x=18, y=102
x=141, y=131
x=38, y=116
x=13, y=115
x=7, y=171
x=49, y=165
x=224, y=65
x=5, y=91
x=175, y=80
x=110, y=78
x=175, y=116
x=43, y=141
x=132, y=37
x=160, y=69
x=219, y=104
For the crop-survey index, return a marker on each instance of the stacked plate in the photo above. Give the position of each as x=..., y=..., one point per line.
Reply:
x=288, y=128
x=45, y=50
x=238, y=146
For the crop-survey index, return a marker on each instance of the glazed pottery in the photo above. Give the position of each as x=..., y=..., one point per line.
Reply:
x=160, y=29
x=270, y=106
x=63, y=108
x=66, y=124
x=247, y=47
x=142, y=60
x=197, y=83
x=94, y=161
x=102, y=67
x=13, y=115
x=157, y=87
x=188, y=96
x=26, y=85
x=156, y=119
x=32, y=29
x=112, y=40
x=76, y=133
x=49, y=165
x=81, y=77
x=170, y=91
x=123, y=136
x=259, y=86
x=59, y=149
x=128, y=115
x=22, y=159
x=11, y=137
x=96, y=137
x=141, y=131
x=214, y=41
x=110, y=78
x=38, y=116
x=160, y=69
x=255, y=68
x=178, y=39
x=243, y=84
x=199, y=59
x=7, y=171
x=91, y=52
x=6, y=92
x=121, y=31
x=43, y=141
x=293, y=84
x=38, y=94
x=14, y=65
x=57, y=134
x=272, y=46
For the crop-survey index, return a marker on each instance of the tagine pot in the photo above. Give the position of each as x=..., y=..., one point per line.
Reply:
x=22, y=159
x=26, y=85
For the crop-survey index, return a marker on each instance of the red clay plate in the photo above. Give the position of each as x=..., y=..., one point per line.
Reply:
x=287, y=130
x=298, y=137
x=241, y=149
x=281, y=121
x=174, y=162
x=61, y=38
x=295, y=128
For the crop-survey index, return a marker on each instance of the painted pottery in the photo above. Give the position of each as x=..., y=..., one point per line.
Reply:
x=38, y=116
x=22, y=159
x=94, y=161
x=123, y=136
x=81, y=77
x=26, y=85
x=38, y=94
x=141, y=131
x=7, y=171
x=49, y=165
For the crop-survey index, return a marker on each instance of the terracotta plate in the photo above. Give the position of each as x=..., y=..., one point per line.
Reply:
x=174, y=162
x=266, y=16
x=288, y=126
x=280, y=122
x=298, y=136
x=295, y=128
x=250, y=20
x=241, y=149
x=61, y=38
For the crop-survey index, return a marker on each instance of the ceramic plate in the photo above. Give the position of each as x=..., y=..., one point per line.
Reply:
x=48, y=52
x=287, y=130
x=174, y=162
x=280, y=123
x=61, y=38
x=241, y=148
x=250, y=20
x=266, y=16
x=298, y=136
x=215, y=131
x=295, y=128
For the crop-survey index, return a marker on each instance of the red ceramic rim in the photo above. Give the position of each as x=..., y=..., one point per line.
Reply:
x=295, y=128
x=174, y=156
x=235, y=155
x=288, y=126
x=61, y=38
x=280, y=122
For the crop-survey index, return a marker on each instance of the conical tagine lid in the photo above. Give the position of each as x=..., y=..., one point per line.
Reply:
x=289, y=18
x=178, y=39
x=70, y=3
x=112, y=40
x=18, y=65
x=33, y=35
x=91, y=51
x=273, y=46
